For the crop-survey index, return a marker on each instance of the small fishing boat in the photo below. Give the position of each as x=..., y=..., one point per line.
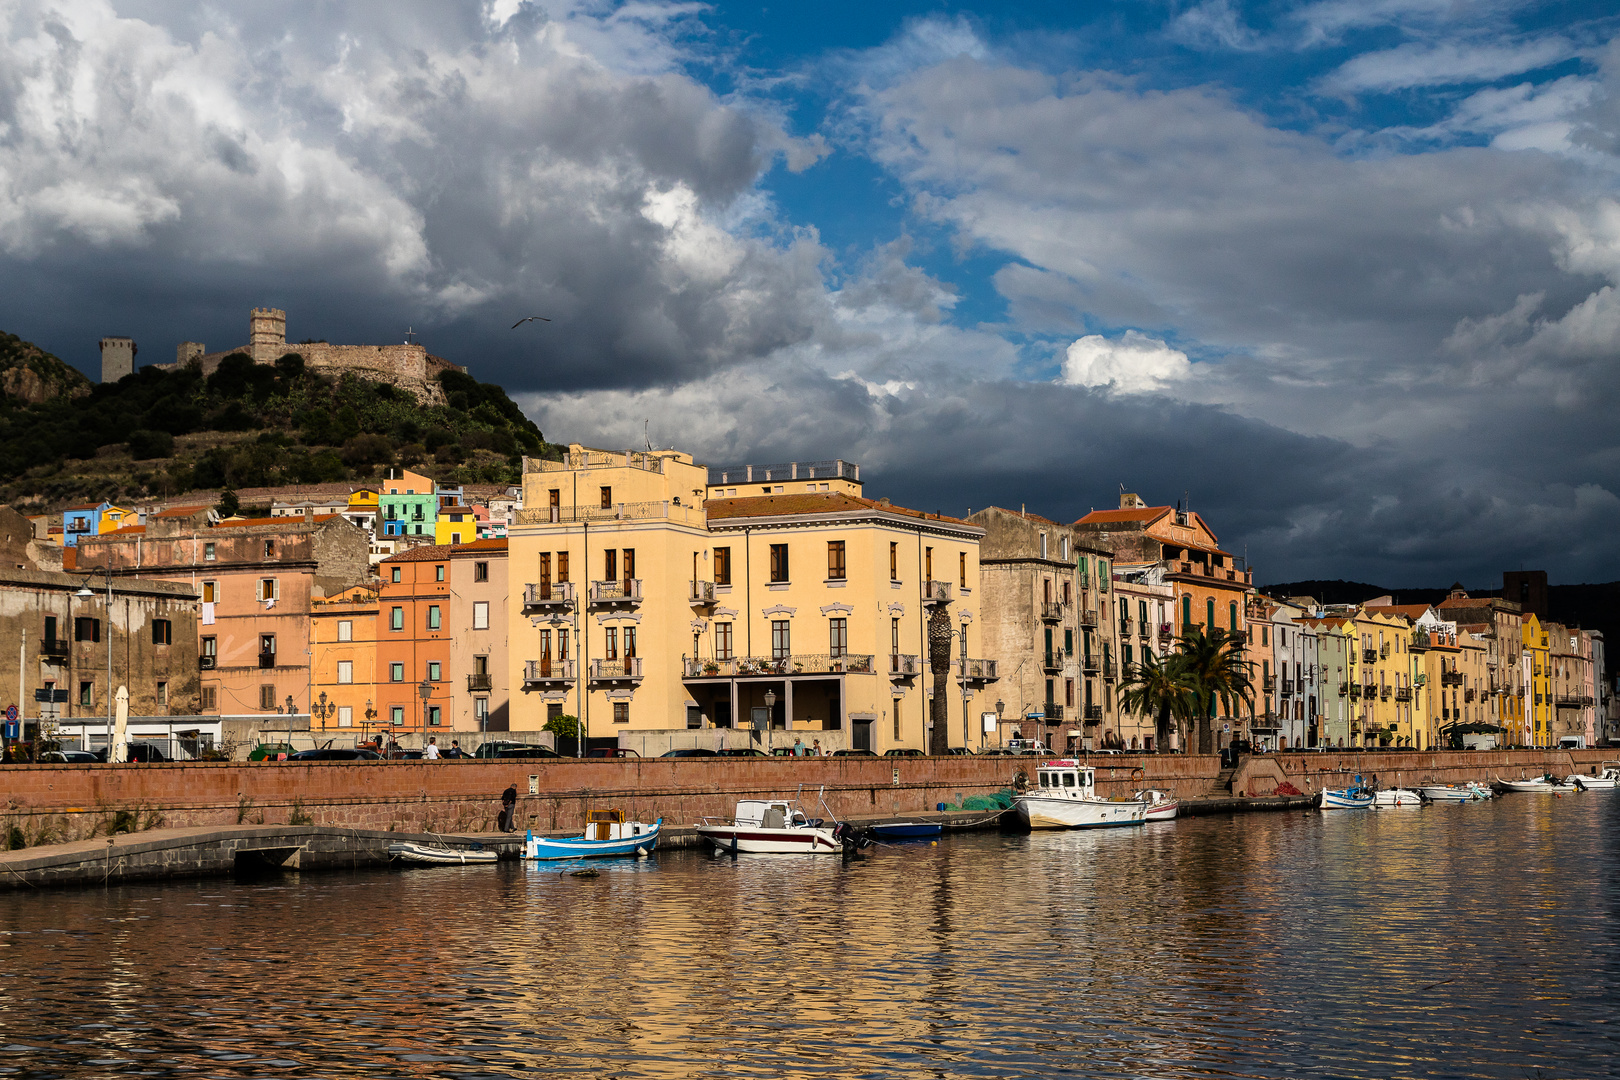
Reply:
x=1606, y=779
x=770, y=827
x=1393, y=798
x=1161, y=805
x=906, y=830
x=1545, y=785
x=1449, y=793
x=1354, y=798
x=438, y=854
x=606, y=834
x=1065, y=797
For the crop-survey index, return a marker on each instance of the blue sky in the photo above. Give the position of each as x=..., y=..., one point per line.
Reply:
x=1345, y=273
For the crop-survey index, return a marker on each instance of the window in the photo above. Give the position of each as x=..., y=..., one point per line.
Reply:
x=435, y=716
x=607, y=497
x=268, y=589
x=480, y=615
x=162, y=632
x=480, y=571
x=1233, y=616
x=345, y=630
x=722, y=641
x=161, y=696
x=611, y=652
x=394, y=574
x=1049, y=699
x=86, y=629
x=779, y=562
x=629, y=563
x=208, y=698
x=610, y=565
x=1065, y=547
x=1209, y=614
x=961, y=570
x=345, y=672
x=1068, y=640
x=562, y=566
x=722, y=566
x=481, y=712
x=438, y=572
x=894, y=636
x=928, y=564
x=267, y=698
x=433, y=619
x=694, y=716
x=1068, y=692
x=396, y=672
x=894, y=561
x=269, y=549
x=837, y=637
x=1043, y=545
x=621, y=712
x=1066, y=593
x=396, y=715
x=87, y=691
x=345, y=716
x=781, y=640
x=396, y=618
x=629, y=643
x=210, y=646
x=835, y=560
x=434, y=670
x=208, y=552
x=267, y=650
x=1142, y=608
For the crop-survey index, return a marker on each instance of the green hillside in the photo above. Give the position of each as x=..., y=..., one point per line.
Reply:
x=158, y=433
x=30, y=374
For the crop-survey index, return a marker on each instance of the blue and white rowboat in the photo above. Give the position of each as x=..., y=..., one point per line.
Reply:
x=1346, y=798
x=606, y=834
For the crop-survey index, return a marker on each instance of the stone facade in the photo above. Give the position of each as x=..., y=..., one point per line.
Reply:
x=117, y=358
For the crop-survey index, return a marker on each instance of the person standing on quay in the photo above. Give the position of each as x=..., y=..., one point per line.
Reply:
x=432, y=751
x=508, y=809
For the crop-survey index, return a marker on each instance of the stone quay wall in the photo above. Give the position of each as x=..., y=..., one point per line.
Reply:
x=46, y=804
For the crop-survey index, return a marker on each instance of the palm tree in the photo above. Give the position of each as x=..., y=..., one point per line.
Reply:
x=1212, y=663
x=1158, y=688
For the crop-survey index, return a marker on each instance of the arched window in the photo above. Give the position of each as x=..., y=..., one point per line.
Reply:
x=1209, y=615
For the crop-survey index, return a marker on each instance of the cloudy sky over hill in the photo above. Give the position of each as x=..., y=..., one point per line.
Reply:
x=1342, y=273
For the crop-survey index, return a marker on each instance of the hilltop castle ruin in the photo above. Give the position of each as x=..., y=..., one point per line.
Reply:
x=407, y=366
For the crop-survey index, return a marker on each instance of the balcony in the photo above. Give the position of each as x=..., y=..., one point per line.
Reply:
x=1108, y=672
x=701, y=593
x=548, y=596
x=1165, y=630
x=1052, y=661
x=54, y=646
x=1147, y=631
x=1345, y=688
x=1451, y=678
x=936, y=592
x=626, y=670
x=797, y=664
x=1053, y=713
x=1090, y=665
x=1288, y=688
x=267, y=659
x=538, y=674
x=1051, y=611
x=1093, y=714
x=477, y=684
x=207, y=663
x=1470, y=694
x=904, y=666
x=980, y=671
x=1355, y=691
x=1383, y=650
x=626, y=593
x=1127, y=627
x=1268, y=683
x=1384, y=692
x=1369, y=656
x=1404, y=693
x=1088, y=618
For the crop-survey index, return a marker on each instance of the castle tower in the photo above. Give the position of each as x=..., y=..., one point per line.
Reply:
x=117, y=358
x=188, y=351
x=267, y=334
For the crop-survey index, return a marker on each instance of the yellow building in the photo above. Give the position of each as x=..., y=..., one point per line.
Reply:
x=343, y=664
x=1381, y=680
x=1536, y=728
x=456, y=525
x=660, y=597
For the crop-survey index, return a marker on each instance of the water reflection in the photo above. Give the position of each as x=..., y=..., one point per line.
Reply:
x=1457, y=941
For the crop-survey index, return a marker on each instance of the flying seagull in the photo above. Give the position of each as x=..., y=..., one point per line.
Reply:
x=531, y=318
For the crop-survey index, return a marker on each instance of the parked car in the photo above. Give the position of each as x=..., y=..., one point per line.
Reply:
x=68, y=757
x=904, y=751
x=689, y=751
x=958, y=751
x=526, y=752
x=137, y=751
x=853, y=753
x=494, y=748
x=740, y=751
x=612, y=751
x=336, y=753
x=278, y=751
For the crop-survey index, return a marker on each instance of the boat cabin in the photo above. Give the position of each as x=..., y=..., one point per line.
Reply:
x=769, y=814
x=1069, y=777
x=610, y=825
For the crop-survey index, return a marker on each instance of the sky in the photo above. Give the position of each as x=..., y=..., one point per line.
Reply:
x=1340, y=275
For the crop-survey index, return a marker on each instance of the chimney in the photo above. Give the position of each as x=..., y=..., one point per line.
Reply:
x=309, y=515
x=1130, y=500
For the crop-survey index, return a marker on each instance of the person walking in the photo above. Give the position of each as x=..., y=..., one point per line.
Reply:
x=431, y=753
x=508, y=809
x=455, y=749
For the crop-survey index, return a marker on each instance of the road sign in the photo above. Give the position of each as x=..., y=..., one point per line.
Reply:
x=11, y=714
x=10, y=729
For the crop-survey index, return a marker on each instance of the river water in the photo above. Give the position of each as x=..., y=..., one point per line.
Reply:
x=1453, y=941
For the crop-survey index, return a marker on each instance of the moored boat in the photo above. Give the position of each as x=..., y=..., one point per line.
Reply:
x=1393, y=798
x=1605, y=780
x=906, y=830
x=1161, y=805
x=606, y=834
x=770, y=827
x=1442, y=793
x=438, y=854
x=1545, y=785
x=1353, y=798
x=1065, y=797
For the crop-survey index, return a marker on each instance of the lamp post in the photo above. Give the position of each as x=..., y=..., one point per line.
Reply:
x=86, y=593
x=1000, y=705
x=321, y=709
x=425, y=689
x=770, y=713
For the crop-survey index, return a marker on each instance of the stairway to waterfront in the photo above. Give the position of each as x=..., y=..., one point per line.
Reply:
x=1223, y=782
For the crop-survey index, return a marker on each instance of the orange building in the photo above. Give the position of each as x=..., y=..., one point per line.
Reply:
x=413, y=641
x=343, y=663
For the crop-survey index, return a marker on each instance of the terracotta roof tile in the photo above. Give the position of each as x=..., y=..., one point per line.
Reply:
x=493, y=544
x=829, y=502
x=423, y=553
x=1104, y=517
x=179, y=511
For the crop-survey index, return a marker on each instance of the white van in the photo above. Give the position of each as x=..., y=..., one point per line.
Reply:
x=1027, y=746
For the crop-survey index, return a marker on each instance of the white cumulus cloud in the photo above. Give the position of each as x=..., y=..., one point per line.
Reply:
x=1132, y=364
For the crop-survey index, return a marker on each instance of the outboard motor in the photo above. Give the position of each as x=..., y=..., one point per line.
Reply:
x=852, y=838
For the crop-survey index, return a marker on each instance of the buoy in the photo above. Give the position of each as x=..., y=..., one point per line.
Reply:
x=933, y=843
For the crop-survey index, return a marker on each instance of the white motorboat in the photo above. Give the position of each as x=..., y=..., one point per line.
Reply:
x=439, y=854
x=1065, y=797
x=1539, y=784
x=770, y=827
x=1392, y=798
x=1161, y=805
x=1607, y=777
x=1442, y=793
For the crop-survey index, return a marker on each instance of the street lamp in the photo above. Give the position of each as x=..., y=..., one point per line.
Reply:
x=321, y=709
x=1000, y=705
x=425, y=689
x=770, y=712
x=86, y=593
